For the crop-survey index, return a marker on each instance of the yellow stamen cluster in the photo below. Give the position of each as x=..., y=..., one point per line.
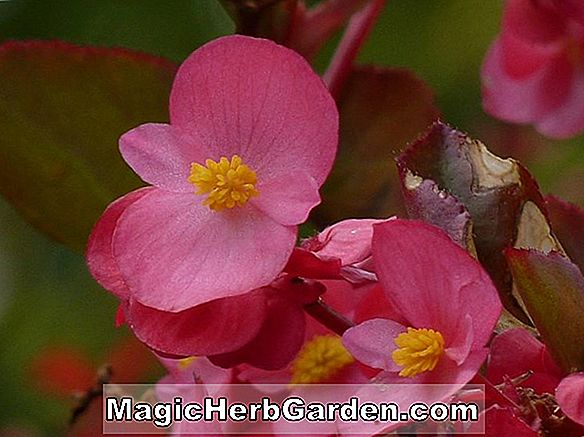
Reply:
x=418, y=351
x=319, y=360
x=228, y=183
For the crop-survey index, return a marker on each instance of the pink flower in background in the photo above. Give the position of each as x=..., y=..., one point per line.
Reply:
x=570, y=396
x=448, y=307
x=534, y=71
x=252, y=137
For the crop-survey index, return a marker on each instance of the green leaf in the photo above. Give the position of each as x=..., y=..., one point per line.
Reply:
x=62, y=110
x=381, y=109
x=552, y=289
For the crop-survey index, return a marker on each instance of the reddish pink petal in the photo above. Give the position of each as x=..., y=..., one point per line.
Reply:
x=535, y=21
x=371, y=343
x=219, y=326
x=500, y=422
x=288, y=198
x=278, y=341
x=176, y=253
x=254, y=98
x=573, y=9
x=198, y=369
x=99, y=255
x=309, y=265
x=349, y=240
x=515, y=352
x=570, y=396
x=161, y=155
x=432, y=281
x=568, y=119
x=461, y=344
x=376, y=305
x=523, y=100
x=522, y=58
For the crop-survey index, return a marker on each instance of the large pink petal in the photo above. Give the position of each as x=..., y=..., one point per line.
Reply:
x=99, y=255
x=371, y=343
x=570, y=396
x=289, y=198
x=215, y=327
x=568, y=119
x=175, y=253
x=432, y=281
x=527, y=99
x=515, y=352
x=161, y=155
x=254, y=98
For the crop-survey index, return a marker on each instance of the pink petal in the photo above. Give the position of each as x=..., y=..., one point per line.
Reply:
x=461, y=344
x=288, y=198
x=515, y=352
x=278, y=341
x=261, y=101
x=570, y=396
x=309, y=265
x=568, y=119
x=432, y=281
x=533, y=21
x=523, y=100
x=371, y=343
x=99, y=255
x=348, y=240
x=522, y=58
x=215, y=327
x=161, y=155
x=176, y=253
x=200, y=369
x=503, y=422
x=431, y=387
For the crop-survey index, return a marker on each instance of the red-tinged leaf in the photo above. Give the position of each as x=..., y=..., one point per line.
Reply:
x=552, y=289
x=381, y=109
x=503, y=200
x=567, y=222
x=426, y=201
x=62, y=110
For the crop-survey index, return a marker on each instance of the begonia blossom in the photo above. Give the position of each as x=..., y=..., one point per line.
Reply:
x=449, y=306
x=534, y=71
x=252, y=137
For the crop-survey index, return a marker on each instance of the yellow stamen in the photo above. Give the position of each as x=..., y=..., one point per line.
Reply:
x=227, y=183
x=319, y=360
x=419, y=351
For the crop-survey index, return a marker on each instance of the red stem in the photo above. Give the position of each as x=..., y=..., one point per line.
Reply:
x=328, y=317
x=355, y=35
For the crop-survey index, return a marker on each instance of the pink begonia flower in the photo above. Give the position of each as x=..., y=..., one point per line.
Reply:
x=570, y=396
x=534, y=71
x=516, y=354
x=252, y=137
x=448, y=303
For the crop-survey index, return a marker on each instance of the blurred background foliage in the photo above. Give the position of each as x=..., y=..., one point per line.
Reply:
x=47, y=299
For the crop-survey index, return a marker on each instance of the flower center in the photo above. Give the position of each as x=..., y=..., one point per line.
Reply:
x=418, y=351
x=319, y=360
x=227, y=183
